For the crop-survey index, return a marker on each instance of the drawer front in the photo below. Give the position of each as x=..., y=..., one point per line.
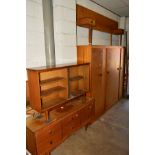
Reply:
x=70, y=124
x=50, y=131
x=87, y=113
x=48, y=144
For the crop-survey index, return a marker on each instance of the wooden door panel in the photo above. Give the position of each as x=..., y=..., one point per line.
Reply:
x=121, y=73
x=112, y=79
x=98, y=79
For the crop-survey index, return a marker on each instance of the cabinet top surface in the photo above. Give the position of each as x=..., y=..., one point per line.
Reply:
x=52, y=67
x=101, y=46
x=56, y=115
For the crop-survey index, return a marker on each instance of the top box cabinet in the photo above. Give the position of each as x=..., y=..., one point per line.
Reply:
x=50, y=87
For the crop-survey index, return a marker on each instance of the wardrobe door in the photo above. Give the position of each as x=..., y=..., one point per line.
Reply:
x=112, y=76
x=98, y=79
x=121, y=69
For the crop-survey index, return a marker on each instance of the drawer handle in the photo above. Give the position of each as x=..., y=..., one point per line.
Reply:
x=76, y=115
x=51, y=142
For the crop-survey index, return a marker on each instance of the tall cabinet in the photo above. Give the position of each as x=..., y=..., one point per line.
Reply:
x=112, y=75
x=106, y=78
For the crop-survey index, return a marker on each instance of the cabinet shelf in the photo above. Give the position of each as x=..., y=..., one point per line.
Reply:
x=76, y=78
x=77, y=93
x=51, y=80
x=51, y=90
x=51, y=87
x=53, y=103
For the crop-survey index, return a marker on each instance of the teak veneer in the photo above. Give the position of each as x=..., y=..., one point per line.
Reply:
x=60, y=105
x=106, y=74
x=42, y=138
x=50, y=86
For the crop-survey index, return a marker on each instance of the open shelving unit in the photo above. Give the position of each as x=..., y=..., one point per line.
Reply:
x=78, y=80
x=52, y=87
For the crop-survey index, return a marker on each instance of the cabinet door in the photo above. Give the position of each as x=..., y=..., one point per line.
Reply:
x=112, y=78
x=98, y=79
x=121, y=69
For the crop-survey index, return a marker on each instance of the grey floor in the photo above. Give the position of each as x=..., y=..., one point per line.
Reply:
x=109, y=135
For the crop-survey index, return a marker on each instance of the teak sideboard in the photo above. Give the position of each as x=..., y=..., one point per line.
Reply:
x=42, y=137
x=106, y=74
x=59, y=95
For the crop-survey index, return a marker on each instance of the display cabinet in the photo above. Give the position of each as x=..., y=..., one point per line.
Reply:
x=53, y=86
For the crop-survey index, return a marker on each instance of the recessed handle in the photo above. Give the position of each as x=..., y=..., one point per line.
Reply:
x=51, y=142
x=51, y=132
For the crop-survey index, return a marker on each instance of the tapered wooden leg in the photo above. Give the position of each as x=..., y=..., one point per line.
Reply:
x=47, y=116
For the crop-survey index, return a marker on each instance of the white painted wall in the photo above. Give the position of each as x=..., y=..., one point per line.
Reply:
x=99, y=38
x=35, y=45
x=65, y=31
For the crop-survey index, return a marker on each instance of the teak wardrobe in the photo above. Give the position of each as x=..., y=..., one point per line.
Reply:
x=106, y=78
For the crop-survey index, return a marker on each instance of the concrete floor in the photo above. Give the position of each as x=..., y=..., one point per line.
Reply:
x=109, y=135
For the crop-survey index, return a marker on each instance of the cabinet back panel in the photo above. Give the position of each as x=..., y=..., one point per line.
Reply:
x=83, y=82
x=53, y=73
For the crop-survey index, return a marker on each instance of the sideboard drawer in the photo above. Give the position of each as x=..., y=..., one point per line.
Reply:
x=70, y=124
x=48, y=144
x=86, y=113
x=49, y=131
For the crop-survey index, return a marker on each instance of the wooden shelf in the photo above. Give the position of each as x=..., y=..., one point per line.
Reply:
x=76, y=78
x=51, y=90
x=50, y=86
x=51, y=80
x=93, y=20
x=77, y=93
x=53, y=103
